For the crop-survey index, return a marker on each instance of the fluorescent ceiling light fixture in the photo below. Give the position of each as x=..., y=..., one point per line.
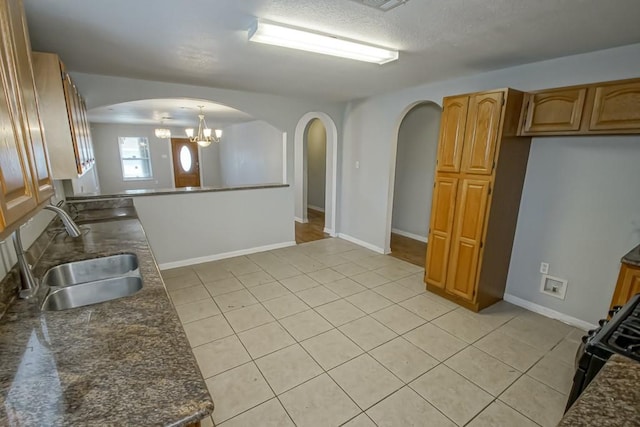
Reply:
x=278, y=35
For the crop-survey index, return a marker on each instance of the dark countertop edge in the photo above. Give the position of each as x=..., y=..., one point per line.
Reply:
x=632, y=257
x=610, y=399
x=171, y=191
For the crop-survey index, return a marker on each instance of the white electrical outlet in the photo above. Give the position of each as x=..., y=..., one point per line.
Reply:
x=544, y=268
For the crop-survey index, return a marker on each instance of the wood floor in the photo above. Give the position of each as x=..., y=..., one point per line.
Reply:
x=403, y=248
x=407, y=249
x=313, y=230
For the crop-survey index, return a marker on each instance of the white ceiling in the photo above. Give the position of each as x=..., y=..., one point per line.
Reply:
x=204, y=42
x=172, y=112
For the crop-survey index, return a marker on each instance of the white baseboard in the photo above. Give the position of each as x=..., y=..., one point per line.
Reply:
x=361, y=243
x=540, y=309
x=224, y=255
x=315, y=208
x=300, y=220
x=330, y=232
x=409, y=235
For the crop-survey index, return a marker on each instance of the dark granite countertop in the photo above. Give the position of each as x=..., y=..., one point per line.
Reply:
x=612, y=399
x=122, y=362
x=169, y=191
x=632, y=257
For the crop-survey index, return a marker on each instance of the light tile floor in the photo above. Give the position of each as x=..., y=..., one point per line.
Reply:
x=328, y=333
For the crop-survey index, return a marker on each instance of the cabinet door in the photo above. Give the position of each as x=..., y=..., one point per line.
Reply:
x=616, y=107
x=470, y=215
x=554, y=111
x=87, y=133
x=32, y=129
x=16, y=197
x=628, y=285
x=481, y=135
x=440, y=227
x=452, y=126
x=70, y=97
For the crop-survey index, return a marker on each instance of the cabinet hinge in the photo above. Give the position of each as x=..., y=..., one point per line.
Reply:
x=489, y=191
x=481, y=245
x=503, y=101
x=494, y=165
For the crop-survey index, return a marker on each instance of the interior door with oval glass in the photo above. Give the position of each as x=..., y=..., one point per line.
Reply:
x=186, y=164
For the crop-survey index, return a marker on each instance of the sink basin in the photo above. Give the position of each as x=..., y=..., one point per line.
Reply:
x=90, y=270
x=93, y=292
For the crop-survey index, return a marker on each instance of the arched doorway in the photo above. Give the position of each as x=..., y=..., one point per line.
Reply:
x=316, y=122
x=315, y=165
x=415, y=162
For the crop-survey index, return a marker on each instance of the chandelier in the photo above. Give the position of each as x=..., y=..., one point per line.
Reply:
x=163, y=133
x=204, y=137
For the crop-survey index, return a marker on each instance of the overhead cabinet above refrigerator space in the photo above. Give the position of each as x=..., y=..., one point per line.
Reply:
x=599, y=108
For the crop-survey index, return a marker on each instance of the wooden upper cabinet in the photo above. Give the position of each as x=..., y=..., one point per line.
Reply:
x=467, y=237
x=16, y=197
x=65, y=118
x=452, y=127
x=594, y=109
x=553, y=111
x=440, y=228
x=482, y=131
x=32, y=125
x=616, y=106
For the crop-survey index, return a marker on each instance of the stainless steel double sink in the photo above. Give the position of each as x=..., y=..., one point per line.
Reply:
x=91, y=281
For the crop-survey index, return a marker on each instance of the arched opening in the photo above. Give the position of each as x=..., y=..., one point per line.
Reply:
x=415, y=163
x=249, y=151
x=315, y=167
x=316, y=133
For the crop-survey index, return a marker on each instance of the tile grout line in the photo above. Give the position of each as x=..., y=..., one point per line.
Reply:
x=467, y=344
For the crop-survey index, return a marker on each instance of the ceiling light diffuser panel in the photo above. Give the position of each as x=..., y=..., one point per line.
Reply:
x=326, y=44
x=383, y=5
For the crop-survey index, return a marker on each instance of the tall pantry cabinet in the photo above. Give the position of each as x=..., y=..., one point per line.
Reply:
x=480, y=172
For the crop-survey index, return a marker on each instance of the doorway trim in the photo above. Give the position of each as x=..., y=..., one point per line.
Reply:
x=300, y=172
x=392, y=168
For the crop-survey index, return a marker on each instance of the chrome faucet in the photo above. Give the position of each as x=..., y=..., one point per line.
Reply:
x=29, y=283
x=72, y=228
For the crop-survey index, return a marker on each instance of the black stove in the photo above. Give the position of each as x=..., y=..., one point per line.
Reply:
x=626, y=338
x=618, y=335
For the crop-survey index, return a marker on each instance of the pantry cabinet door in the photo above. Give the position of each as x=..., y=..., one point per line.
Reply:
x=482, y=131
x=467, y=237
x=440, y=228
x=452, y=127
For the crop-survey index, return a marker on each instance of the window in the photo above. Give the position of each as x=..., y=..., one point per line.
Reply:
x=135, y=158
